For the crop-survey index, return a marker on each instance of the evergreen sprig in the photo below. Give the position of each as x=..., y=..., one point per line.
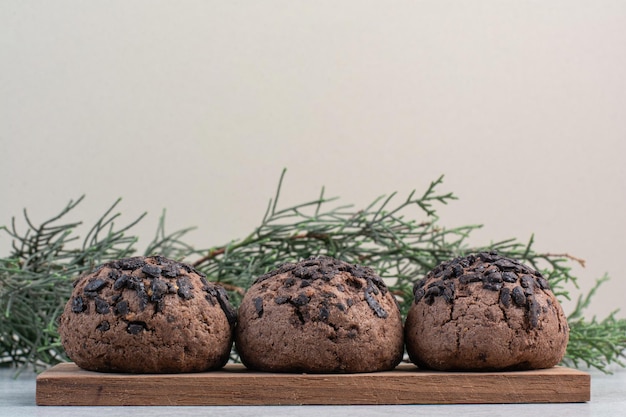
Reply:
x=36, y=280
x=401, y=240
x=398, y=248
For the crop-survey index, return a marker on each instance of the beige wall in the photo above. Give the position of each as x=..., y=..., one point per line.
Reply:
x=197, y=106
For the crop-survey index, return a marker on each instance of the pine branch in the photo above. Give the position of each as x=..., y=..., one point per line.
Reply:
x=36, y=280
x=401, y=239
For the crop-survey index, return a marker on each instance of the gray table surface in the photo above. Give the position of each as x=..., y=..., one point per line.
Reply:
x=608, y=398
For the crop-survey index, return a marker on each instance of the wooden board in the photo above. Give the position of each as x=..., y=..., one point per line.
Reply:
x=66, y=384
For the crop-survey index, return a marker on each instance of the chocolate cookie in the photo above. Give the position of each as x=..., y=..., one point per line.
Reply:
x=147, y=315
x=320, y=315
x=485, y=312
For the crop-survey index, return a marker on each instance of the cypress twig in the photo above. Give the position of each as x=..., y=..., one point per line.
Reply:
x=401, y=241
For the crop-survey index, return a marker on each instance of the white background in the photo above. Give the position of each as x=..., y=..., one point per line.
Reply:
x=197, y=106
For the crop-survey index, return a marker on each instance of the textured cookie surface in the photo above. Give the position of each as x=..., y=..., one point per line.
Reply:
x=147, y=315
x=320, y=315
x=485, y=312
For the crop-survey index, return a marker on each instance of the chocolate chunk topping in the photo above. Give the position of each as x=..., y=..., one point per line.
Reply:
x=258, y=306
x=78, y=305
x=170, y=271
x=457, y=270
x=159, y=288
x=300, y=300
x=488, y=256
x=433, y=291
x=151, y=270
x=467, y=278
x=533, y=312
x=218, y=293
x=122, y=308
x=102, y=307
x=134, y=283
x=371, y=301
x=152, y=279
x=131, y=263
x=113, y=274
x=324, y=313
x=325, y=268
x=505, y=264
x=305, y=273
x=439, y=284
x=543, y=283
x=509, y=276
x=184, y=288
x=95, y=285
x=492, y=287
x=505, y=297
x=227, y=308
x=136, y=327
x=103, y=326
x=518, y=296
x=282, y=299
x=448, y=292
x=121, y=282
x=493, y=277
x=419, y=294
x=515, y=282
x=527, y=281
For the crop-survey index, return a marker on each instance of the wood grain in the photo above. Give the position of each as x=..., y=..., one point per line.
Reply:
x=66, y=384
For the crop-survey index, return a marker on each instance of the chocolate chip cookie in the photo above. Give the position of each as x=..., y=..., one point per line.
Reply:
x=320, y=315
x=147, y=315
x=485, y=312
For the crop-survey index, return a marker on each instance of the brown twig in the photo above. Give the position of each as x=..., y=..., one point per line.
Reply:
x=231, y=287
x=580, y=261
x=212, y=254
x=312, y=235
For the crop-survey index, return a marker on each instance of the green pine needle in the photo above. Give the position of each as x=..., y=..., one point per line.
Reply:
x=402, y=241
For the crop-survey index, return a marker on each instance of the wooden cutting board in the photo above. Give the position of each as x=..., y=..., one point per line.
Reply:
x=66, y=384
